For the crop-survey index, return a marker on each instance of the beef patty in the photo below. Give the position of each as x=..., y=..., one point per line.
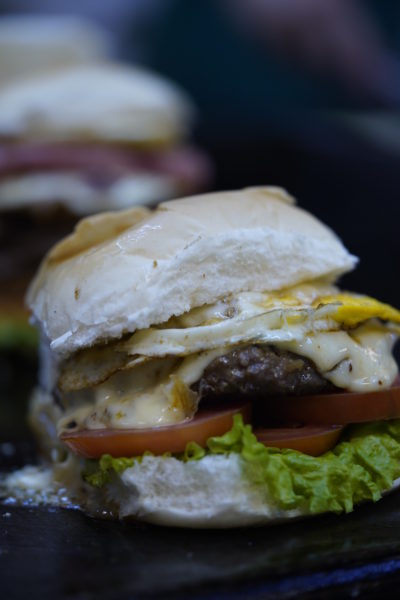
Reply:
x=258, y=371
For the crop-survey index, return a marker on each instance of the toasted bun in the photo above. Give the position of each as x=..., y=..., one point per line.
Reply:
x=101, y=102
x=119, y=272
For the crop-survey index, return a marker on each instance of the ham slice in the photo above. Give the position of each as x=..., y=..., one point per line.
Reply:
x=105, y=164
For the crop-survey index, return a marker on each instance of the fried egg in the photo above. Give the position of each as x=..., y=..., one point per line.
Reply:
x=348, y=337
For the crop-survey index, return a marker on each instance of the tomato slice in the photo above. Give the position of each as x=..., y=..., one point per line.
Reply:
x=307, y=439
x=92, y=443
x=338, y=408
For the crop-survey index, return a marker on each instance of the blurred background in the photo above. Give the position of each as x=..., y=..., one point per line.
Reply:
x=298, y=93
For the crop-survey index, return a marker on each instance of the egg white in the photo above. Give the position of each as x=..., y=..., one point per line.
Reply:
x=342, y=334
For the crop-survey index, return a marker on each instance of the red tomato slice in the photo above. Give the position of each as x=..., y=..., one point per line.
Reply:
x=338, y=408
x=92, y=443
x=308, y=439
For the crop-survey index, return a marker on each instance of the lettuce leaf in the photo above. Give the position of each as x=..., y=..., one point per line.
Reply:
x=97, y=477
x=360, y=467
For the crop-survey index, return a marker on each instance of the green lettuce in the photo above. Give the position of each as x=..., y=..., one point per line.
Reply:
x=360, y=467
x=100, y=474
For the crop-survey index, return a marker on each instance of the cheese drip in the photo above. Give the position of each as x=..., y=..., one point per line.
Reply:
x=339, y=332
x=158, y=393
x=251, y=317
x=153, y=394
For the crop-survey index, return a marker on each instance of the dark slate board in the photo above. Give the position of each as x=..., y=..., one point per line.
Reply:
x=61, y=554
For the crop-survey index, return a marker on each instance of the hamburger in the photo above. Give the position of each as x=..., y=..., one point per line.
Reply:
x=200, y=367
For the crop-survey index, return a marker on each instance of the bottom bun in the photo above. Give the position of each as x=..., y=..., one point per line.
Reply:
x=211, y=492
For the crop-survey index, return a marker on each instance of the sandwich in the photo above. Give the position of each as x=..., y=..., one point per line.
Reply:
x=96, y=137
x=200, y=368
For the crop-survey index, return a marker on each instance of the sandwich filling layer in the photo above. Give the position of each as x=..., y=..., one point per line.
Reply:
x=306, y=340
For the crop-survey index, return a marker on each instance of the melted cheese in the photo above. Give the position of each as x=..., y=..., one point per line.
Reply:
x=339, y=332
x=153, y=394
x=360, y=360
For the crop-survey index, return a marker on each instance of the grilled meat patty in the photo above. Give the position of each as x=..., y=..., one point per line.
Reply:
x=259, y=371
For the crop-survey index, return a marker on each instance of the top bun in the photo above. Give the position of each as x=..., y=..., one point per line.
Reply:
x=119, y=272
x=36, y=43
x=99, y=102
